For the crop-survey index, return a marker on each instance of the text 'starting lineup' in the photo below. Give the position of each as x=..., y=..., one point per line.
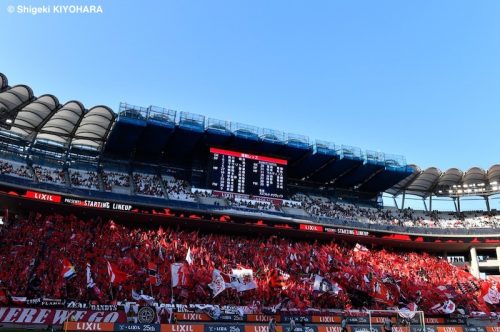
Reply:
x=245, y=173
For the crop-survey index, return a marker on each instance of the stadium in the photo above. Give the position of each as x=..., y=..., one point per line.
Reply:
x=150, y=219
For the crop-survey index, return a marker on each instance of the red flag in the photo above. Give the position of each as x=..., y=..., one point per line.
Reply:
x=115, y=275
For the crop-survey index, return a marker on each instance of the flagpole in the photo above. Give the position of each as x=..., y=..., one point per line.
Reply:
x=111, y=291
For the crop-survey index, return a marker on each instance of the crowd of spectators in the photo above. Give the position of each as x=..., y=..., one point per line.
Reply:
x=115, y=179
x=254, y=204
x=148, y=184
x=323, y=207
x=15, y=169
x=178, y=189
x=33, y=248
x=49, y=174
x=84, y=179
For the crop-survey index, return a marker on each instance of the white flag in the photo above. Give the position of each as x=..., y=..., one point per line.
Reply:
x=189, y=257
x=218, y=284
x=242, y=280
x=492, y=297
x=138, y=297
x=323, y=285
x=179, y=277
x=90, y=281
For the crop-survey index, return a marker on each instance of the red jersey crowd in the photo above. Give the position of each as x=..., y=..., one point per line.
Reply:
x=33, y=249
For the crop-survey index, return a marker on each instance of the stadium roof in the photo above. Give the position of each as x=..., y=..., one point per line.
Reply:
x=451, y=183
x=154, y=132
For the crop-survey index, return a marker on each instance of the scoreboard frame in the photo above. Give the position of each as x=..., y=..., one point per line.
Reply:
x=249, y=157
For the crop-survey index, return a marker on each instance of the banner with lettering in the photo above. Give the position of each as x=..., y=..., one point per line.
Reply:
x=450, y=329
x=329, y=328
x=57, y=316
x=242, y=280
x=300, y=328
x=262, y=318
x=261, y=328
x=297, y=319
x=224, y=328
x=326, y=319
x=182, y=328
x=192, y=316
x=474, y=329
x=493, y=329
x=365, y=328
x=88, y=326
x=138, y=327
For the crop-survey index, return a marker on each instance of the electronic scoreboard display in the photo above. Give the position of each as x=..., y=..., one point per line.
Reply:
x=249, y=174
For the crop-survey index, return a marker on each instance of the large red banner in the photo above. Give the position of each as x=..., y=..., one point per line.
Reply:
x=86, y=326
x=43, y=196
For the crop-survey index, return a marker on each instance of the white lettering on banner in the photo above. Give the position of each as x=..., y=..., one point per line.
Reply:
x=111, y=317
x=260, y=329
x=11, y=315
x=44, y=197
x=326, y=319
x=42, y=316
x=450, y=329
x=351, y=232
x=431, y=320
x=333, y=329
x=96, y=204
x=182, y=328
x=56, y=316
x=398, y=329
x=122, y=207
x=96, y=317
x=88, y=326
x=61, y=316
x=192, y=316
x=262, y=318
x=26, y=316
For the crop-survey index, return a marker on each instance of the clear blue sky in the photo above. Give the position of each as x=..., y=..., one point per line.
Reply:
x=417, y=78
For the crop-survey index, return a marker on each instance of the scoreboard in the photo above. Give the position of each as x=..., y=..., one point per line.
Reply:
x=249, y=174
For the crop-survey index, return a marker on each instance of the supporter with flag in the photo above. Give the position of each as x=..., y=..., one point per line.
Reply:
x=189, y=257
x=68, y=270
x=115, y=275
x=180, y=275
x=218, y=284
x=153, y=276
